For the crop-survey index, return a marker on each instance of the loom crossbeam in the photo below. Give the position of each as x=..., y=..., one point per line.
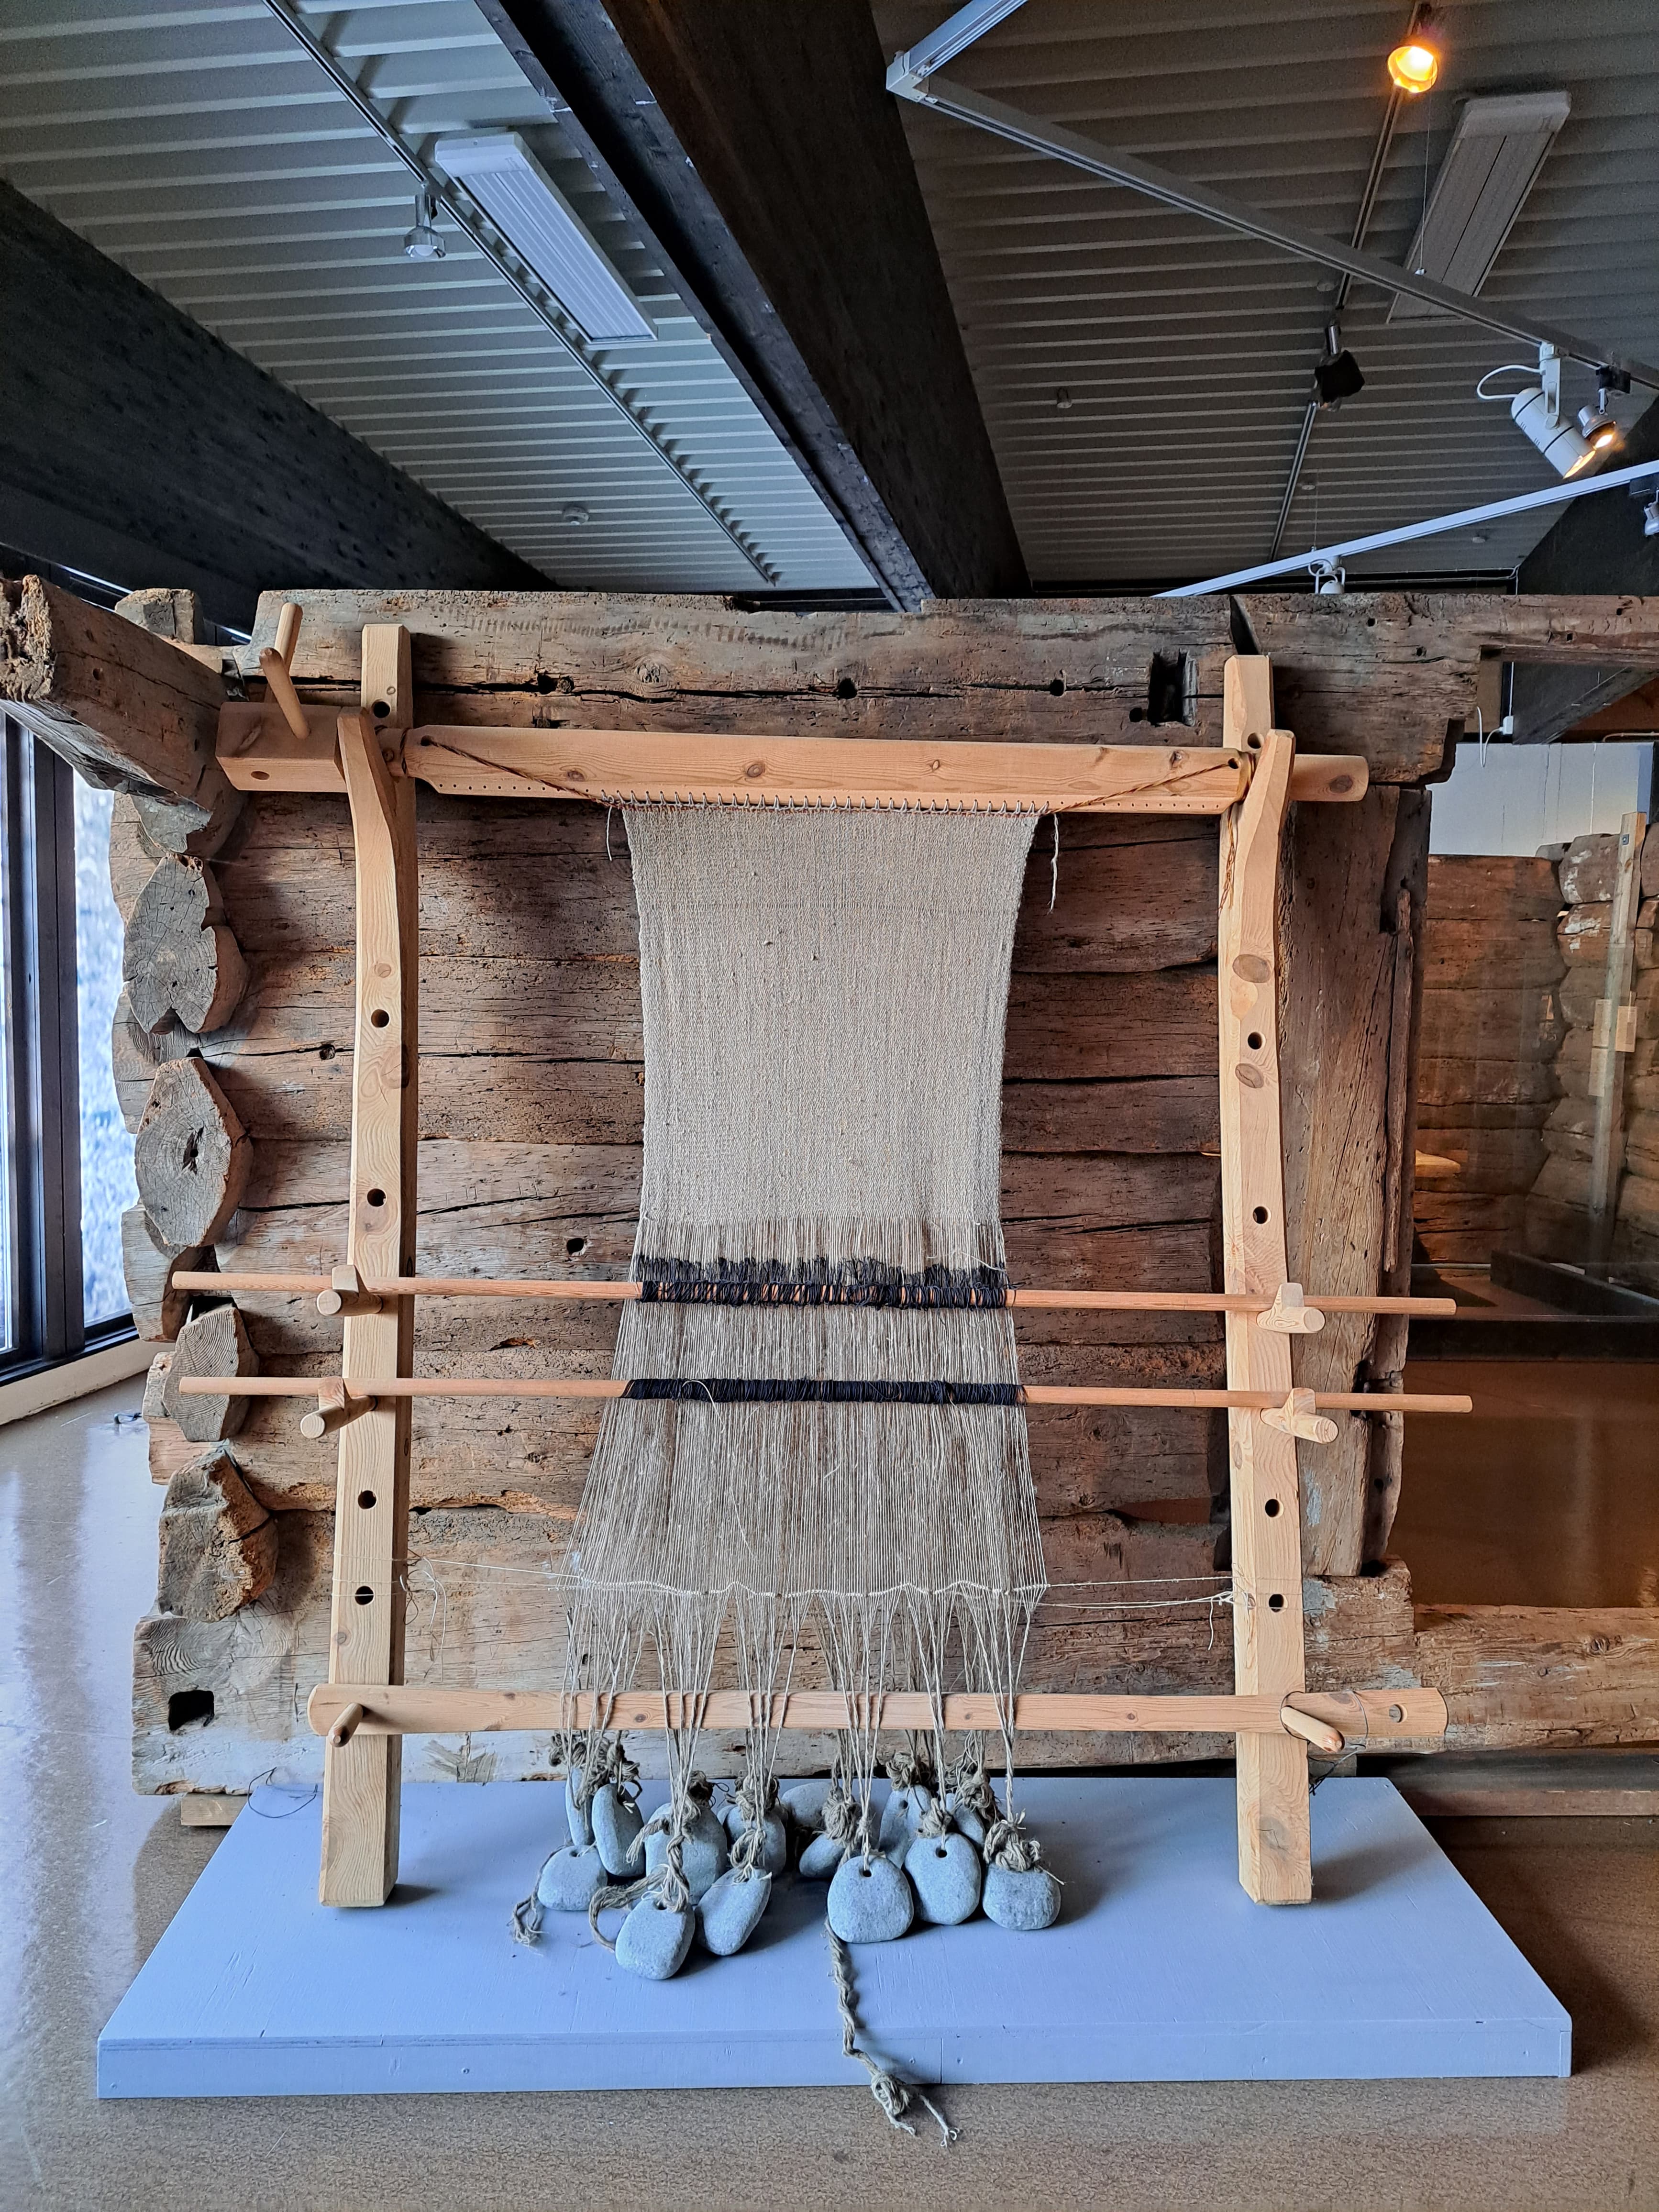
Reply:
x=259, y=750
x=468, y=1286
x=1359, y=1716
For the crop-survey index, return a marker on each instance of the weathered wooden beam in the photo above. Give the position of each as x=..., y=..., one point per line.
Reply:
x=219, y=1544
x=115, y=405
x=180, y=960
x=129, y=710
x=715, y=127
x=1389, y=676
x=1515, y=1677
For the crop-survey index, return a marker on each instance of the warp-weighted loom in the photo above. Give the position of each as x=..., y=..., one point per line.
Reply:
x=374, y=757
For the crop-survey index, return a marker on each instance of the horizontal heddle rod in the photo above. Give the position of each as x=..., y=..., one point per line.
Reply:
x=260, y=751
x=464, y=1286
x=686, y=1391
x=1356, y=1716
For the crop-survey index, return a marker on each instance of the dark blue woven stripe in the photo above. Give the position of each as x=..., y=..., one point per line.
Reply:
x=734, y=1389
x=818, y=1283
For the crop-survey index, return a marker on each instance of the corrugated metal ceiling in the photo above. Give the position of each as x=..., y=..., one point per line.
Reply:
x=202, y=148
x=1143, y=374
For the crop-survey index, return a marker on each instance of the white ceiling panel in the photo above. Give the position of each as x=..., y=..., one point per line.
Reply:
x=204, y=149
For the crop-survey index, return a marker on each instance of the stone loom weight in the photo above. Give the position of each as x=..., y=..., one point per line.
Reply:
x=1248, y=784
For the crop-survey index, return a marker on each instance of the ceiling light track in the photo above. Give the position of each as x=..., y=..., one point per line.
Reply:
x=1115, y=167
x=499, y=250
x=1328, y=558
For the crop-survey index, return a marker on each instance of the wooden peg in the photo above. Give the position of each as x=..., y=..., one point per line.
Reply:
x=1298, y=1416
x=280, y=684
x=1289, y=1315
x=346, y=1295
x=335, y=1410
x=288, y=630
x=352, y=1719
x=1319, y=1734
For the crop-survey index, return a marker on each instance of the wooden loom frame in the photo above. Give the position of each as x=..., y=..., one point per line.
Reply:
x=374, y=757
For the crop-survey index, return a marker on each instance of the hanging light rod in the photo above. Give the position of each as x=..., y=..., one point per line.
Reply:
x=911, y=77
x=499, y=249
x=1646, y=472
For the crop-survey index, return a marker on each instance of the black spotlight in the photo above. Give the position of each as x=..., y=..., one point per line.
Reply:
x=1337, y=377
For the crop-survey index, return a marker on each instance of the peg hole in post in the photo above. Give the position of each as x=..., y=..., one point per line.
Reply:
x=1271, y=1508
x=364, y=1595
x=380, y=709
x=1396, y=1713
x=1275, y=1603
x=377, y=1198
x=1258, y=1214
x=365, y=1499
x=379, y=1018
x=1254, y=1040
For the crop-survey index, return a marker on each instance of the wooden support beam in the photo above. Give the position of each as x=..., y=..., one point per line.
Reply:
x=363, y=1777
x=259, y=750
x=1359, y=1716
x=714, y=127
x=1613, y=1037
x=129, y=710
x=1275, y=1862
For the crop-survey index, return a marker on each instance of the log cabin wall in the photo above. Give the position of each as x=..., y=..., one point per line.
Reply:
x=234, y=1064
x=1514, y=963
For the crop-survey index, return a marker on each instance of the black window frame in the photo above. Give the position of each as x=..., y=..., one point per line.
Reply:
x=41, y=1187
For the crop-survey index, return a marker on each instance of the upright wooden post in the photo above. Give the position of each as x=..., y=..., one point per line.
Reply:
x=1614, y=1035
x=1274, y=1857
x=362, y=1774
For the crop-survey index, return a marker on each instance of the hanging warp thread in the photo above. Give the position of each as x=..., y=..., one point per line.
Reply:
x=825, y=997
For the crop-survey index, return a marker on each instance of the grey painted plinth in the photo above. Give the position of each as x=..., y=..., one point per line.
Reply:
x=1160, y=1969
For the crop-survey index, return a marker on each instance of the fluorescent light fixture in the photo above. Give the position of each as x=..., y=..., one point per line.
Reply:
x=1492, y=164
x=510, y=185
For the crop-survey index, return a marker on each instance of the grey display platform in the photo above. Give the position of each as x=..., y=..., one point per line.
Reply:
x=1161, y=1968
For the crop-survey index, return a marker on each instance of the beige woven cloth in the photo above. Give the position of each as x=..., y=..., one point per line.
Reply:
x=825, y=1000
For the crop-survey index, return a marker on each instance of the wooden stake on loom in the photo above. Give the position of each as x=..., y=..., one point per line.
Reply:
x=362, y=1774
x=608, y=1385
x=1275, y=1852
x=325, y=1288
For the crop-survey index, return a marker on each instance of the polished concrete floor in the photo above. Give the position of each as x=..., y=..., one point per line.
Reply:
x=89, y=1876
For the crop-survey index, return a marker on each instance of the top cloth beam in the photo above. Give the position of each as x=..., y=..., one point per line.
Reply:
x=259, y=752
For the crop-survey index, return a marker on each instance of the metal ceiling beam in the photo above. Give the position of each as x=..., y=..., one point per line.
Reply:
x=1112, y=167
x=499, y=250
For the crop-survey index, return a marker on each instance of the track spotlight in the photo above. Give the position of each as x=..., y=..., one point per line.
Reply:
x=1414, y=67
x=1568, y=447
x=423, y=242
x=1596, y=425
